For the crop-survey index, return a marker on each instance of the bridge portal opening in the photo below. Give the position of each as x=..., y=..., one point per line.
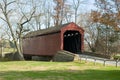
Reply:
x=72, y=41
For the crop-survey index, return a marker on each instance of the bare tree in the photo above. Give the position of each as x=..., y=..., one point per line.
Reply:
x=25, y=18
x=59, y=11
x=43, y=15
x=38, y=17
x=76, y=5
x=1, y=44
x=48, y=13
x=67, y=13
x=7, y=12
x=91, y=31
x=107, y=16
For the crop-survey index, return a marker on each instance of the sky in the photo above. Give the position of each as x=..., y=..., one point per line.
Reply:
x=86, y=7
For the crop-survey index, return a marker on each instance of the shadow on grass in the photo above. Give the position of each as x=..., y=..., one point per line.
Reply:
x=61, y=75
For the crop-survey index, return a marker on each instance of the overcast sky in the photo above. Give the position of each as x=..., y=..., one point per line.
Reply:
x=84, y=7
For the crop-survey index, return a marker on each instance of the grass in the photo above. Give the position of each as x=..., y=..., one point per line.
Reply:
x=36, y=70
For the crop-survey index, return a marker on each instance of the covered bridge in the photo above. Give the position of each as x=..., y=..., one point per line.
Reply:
x=47, y=42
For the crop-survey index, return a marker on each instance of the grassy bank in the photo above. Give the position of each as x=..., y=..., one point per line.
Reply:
x=32, y=70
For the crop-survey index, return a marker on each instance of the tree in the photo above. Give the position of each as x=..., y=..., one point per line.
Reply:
x=68, y=13
x=7, y=12
x=47, y=13
x=107, y=16
x=59, y=9
x=108, y=13
x=91, y=30
x=41, y=16
x=1, y=43
x=24, y=19
x=76, y=5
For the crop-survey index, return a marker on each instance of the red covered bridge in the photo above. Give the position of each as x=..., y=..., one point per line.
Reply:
x=47, y=42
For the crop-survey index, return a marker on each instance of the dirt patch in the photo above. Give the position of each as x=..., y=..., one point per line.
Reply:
x=74, y=68
x=40, y=68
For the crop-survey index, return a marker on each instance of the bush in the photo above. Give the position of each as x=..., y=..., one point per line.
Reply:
x=117, y=57
x=4, y=59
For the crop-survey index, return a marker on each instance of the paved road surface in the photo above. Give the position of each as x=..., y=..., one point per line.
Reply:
x=99, y=60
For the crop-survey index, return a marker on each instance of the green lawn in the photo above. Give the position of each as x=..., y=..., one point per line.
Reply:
x=36, y=70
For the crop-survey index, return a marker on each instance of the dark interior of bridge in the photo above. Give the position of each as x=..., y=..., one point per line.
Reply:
x=72, y=41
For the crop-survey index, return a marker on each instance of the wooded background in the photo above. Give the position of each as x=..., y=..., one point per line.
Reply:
x=101, y=22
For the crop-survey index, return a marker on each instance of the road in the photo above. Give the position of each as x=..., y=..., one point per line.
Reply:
x=103, y=61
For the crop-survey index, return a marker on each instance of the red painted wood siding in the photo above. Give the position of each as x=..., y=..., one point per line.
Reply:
x=48, y=45
x=72, y=26
x=42, y=45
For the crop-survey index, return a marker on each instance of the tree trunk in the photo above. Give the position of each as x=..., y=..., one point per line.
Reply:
x=20, y=55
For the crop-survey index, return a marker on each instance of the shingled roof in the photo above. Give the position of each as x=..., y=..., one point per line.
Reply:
x=45, y=31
